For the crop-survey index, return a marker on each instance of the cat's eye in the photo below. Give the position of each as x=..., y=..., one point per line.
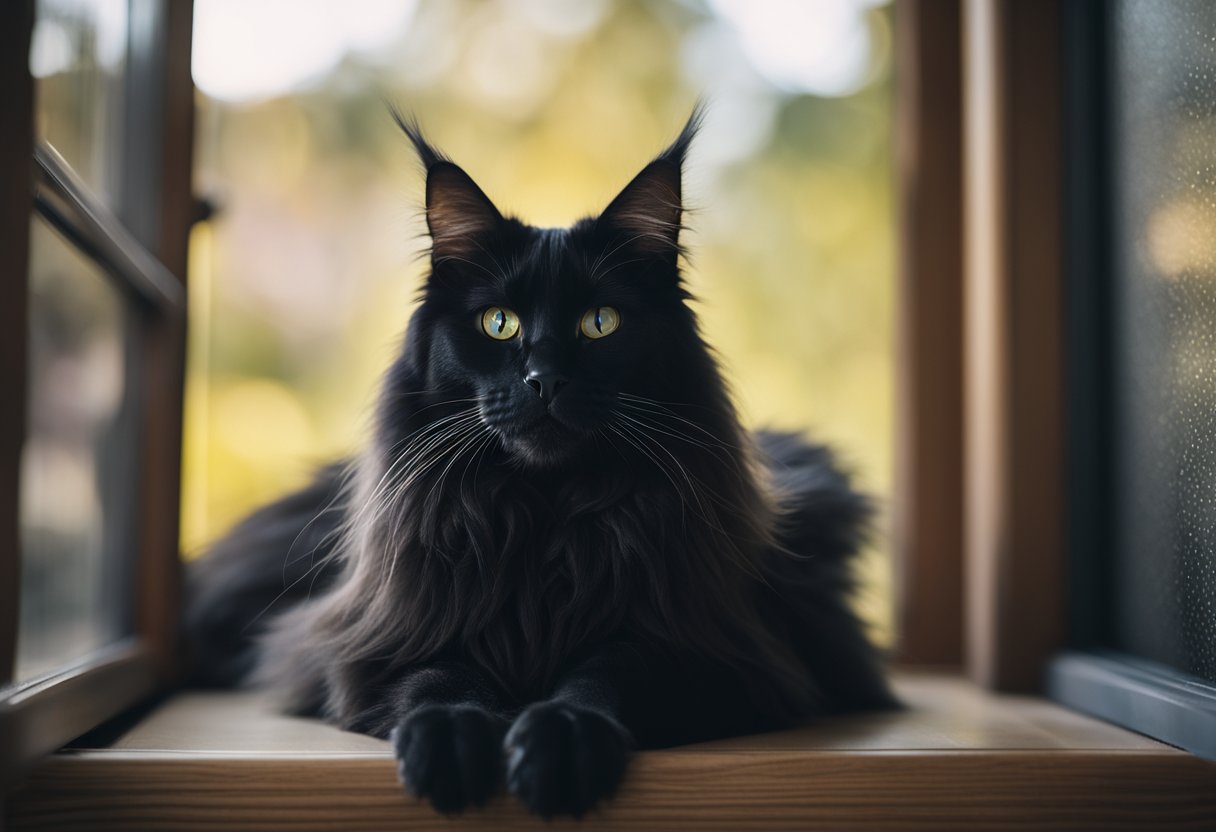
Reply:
x=500, y=324
x=600, y=321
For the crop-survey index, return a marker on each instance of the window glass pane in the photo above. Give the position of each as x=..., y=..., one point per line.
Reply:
x=76, y=467
x=78, y=59
x=1163, y=98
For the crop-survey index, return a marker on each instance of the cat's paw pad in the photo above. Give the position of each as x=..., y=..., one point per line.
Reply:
x=449, y=755
x=562, y=760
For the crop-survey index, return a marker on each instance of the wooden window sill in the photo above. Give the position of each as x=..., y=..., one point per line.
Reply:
x=958, y=758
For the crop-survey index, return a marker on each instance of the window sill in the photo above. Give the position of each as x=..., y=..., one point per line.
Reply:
x=957, y=758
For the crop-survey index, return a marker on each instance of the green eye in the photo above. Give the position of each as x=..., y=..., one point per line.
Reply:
x=600, y=321
x=500, y=324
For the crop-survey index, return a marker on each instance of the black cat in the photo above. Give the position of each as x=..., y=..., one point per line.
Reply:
x=559, y=545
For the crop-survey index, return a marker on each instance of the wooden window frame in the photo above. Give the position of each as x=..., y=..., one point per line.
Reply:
x=1033, y=177
x=141, y=244
x=1014, y=508
x=927, y=522
x=981, y=404
x=16, y=205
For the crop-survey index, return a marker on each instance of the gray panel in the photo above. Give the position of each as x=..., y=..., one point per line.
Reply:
x=1138, y=695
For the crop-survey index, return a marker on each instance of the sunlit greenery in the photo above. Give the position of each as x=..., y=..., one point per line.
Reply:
x=302, y=283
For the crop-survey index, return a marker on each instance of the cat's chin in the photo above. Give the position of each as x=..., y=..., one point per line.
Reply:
x=546, y=444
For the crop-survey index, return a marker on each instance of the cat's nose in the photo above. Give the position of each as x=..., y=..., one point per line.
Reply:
x=546, y=383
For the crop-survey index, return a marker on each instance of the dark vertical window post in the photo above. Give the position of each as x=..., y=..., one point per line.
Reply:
x=16, y=204
x=158, y=209
x=929, y=469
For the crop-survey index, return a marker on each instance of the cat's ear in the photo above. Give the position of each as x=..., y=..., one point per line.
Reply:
x=648, y=212
x=458, y=213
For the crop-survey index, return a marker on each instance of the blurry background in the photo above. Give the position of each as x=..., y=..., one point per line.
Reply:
x=302, y=283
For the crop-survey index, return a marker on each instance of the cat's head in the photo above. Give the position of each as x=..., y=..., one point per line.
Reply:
x=553, y=330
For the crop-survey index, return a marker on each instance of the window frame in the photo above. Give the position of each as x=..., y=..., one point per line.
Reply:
x=1014, y=444
x=927, y=532
x=16, y=150
x=980, y=515
x=1033, y=300
x=144, y=253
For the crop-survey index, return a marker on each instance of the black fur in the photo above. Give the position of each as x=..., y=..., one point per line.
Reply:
x=518, y=588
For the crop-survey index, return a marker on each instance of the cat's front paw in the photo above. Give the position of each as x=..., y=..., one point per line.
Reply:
x=449, y=755
x=562, y=759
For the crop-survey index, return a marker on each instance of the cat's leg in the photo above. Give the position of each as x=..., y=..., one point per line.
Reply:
x=447, y=735
x=567, y=753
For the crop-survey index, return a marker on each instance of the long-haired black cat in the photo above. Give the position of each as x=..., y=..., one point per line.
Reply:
x=559, y=544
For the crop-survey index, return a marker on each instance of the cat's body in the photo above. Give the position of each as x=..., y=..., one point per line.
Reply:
x=559, y=544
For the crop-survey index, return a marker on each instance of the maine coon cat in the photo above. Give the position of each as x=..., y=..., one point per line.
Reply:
x=559, y=545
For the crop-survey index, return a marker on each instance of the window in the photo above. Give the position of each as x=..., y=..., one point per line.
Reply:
x=1144, y=361
x=1163, y=322
x=76, y=497
x=94, y=307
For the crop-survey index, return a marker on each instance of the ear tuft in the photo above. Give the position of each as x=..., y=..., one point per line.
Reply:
x=427, y=154
x=678, y=149
x=458, y=213
x=650, y=208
